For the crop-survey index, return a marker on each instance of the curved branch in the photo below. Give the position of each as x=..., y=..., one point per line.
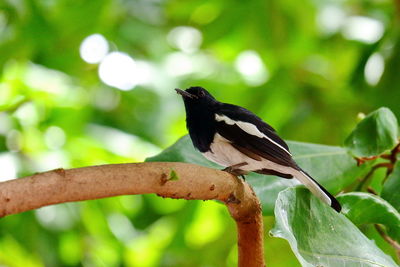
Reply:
x=194, y=182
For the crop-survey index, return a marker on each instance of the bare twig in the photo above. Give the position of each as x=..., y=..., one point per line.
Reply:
x=388, y=239
x=394, y=152
x=391, y=157
x=194, y=182
x=362, y=160
x=372, y=191
x=365, y=181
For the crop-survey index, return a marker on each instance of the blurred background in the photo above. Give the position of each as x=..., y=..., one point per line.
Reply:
x=91, y=82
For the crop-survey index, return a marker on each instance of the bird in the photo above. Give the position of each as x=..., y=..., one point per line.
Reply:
x=242, y=142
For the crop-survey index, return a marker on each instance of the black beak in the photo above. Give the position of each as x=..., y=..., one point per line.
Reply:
x=185, y=94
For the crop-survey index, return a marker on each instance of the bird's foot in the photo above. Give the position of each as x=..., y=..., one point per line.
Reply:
x=235, y=170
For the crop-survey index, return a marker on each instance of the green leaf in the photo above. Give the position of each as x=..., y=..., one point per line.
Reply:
x=375, y=134
x=362, y=208
x=183, y=151
x=391, y=189
x=329, y=165
x=319, y=236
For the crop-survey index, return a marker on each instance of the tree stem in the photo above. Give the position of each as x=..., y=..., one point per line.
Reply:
x=190, y=182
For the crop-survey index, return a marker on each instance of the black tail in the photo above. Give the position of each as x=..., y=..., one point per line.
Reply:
x=318, y=190
x=334, y=202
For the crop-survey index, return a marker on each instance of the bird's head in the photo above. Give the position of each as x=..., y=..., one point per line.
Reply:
x=196, y=96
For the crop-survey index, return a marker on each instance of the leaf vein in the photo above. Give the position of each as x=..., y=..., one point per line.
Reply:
x=319, y=154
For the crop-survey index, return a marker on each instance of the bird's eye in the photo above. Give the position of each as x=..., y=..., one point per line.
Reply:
x=201, y=94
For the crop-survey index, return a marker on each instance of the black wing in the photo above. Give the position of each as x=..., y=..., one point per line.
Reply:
x=252, y=144
x=238, y=113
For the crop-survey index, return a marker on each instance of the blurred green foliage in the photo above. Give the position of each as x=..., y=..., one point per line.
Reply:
x=307, y=68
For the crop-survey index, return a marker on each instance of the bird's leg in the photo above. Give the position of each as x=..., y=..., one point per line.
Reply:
x=235, y=169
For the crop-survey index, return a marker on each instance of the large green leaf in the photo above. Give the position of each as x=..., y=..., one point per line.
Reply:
x=319, y=236
x=375, y=134
x=391, y=189
x=362, y=208
x=183, y=151
x=330, y=165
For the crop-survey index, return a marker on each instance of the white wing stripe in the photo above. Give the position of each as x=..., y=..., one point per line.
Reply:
x=248, y=128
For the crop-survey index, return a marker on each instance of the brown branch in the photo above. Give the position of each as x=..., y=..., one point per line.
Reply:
x=195, y=182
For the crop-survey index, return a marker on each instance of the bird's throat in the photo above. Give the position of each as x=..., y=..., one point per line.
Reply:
x=201, y=127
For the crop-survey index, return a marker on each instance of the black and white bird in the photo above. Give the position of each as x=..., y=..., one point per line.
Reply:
x=237, y=139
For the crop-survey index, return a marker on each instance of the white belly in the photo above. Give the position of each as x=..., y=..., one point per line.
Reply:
x=224, y=154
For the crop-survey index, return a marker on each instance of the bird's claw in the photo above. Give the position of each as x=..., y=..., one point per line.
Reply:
x=235, y=171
